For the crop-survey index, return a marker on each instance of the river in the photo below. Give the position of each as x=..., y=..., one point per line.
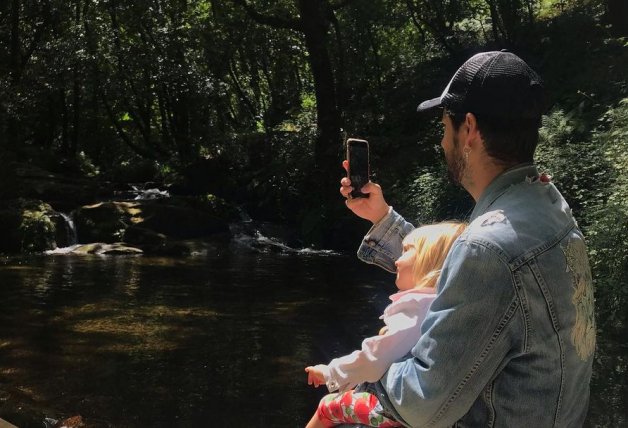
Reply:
x=219, y=339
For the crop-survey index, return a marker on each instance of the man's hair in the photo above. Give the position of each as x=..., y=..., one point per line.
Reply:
x=508, y=141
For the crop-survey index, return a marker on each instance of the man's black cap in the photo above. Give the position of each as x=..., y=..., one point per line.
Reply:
x=497, y=84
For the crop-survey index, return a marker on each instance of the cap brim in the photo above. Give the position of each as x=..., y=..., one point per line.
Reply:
x=428, y=105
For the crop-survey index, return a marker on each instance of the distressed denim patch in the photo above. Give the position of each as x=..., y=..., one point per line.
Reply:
x=493, y=217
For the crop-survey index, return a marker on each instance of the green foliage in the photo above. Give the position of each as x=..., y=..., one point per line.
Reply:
x=589, y=163
x=215, y=205
x=576, y=163
x=37, y=230
x=86, y=165
x=431, y=197
x=608, y=218
x=301, y=122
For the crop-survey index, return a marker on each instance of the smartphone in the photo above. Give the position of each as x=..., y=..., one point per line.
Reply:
x=359, y=166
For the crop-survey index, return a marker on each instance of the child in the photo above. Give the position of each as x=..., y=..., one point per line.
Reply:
x=418, y=269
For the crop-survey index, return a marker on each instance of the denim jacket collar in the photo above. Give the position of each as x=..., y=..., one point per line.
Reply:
x=500, y=184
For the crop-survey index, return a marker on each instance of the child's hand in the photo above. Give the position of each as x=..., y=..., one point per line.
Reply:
x=315, y=376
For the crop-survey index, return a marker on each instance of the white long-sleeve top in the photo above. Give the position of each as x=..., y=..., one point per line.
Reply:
x=403, y=318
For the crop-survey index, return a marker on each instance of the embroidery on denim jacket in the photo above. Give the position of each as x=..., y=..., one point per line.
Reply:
x=583, y=333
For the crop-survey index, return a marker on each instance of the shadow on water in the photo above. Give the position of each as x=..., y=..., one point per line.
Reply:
x=203, y=341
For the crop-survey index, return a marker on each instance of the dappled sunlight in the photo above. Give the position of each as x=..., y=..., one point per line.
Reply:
x=112, y=338
x=145, y=329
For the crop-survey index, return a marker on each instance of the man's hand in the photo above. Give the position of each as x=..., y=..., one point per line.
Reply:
x=374, y=208
x=315, y=376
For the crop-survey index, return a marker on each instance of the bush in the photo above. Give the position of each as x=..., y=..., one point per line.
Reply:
x=590, y=167
x=608, y=219
x=431, y=197
x=26, y=226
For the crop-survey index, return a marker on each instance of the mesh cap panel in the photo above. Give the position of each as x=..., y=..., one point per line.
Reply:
x=496, y=84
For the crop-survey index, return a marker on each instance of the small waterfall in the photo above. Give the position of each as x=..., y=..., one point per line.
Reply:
x=70, y=229
x=139, y=192
x=152, y=193
x=266, y=237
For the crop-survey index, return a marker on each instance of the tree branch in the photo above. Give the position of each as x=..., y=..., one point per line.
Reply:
x=36, y=37
x=340, y=4
x=273, y=21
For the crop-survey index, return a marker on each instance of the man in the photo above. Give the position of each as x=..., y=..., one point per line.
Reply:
x=509, y=340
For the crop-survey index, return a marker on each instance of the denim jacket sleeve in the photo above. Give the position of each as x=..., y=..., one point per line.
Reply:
x=466, y=336
x=382, y=246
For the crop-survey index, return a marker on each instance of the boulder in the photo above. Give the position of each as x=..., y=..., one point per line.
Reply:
x=104, y=221
x=154, y=225
x=101, y=248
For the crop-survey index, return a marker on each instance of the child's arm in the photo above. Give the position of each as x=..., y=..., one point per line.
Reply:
x=369, y=364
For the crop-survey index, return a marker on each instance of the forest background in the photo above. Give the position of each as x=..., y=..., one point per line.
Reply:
x=249, y=102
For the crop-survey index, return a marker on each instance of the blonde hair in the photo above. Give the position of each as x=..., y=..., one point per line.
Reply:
x=432, y=244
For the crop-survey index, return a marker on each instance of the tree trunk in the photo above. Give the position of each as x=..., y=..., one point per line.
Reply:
x=618, y=16
x=436, y=24
x=494, y=21
x=14, y=64
x=315, y=28
x=64, y=121
x=76, y=92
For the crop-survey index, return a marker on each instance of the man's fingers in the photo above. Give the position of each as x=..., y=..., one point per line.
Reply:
x=352, y=204
x=345, y=187
x=345, y=165
x=370, y=187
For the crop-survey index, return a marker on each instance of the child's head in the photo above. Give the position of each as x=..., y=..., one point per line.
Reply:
x=424, y=252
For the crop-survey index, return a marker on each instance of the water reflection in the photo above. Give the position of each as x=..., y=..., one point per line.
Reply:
x=203, y=341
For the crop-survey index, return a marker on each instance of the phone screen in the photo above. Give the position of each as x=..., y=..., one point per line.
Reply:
x=358, y=157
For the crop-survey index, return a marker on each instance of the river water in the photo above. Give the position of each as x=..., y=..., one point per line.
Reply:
x=212, y=340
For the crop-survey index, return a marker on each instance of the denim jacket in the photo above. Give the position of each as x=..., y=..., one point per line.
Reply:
x=509, y=340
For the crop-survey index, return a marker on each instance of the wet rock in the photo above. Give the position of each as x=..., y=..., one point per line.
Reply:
x=104, y=221
x=144, y=238
x=19, y=409
x=71, y=422
x=100, y=248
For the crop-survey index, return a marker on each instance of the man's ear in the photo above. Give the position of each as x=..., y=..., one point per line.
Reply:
x=473, y=133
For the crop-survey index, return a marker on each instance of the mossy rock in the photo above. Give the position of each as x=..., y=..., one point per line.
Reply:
x=151, y=223
x=104, y=221
x=116, y=248
x=27, y=226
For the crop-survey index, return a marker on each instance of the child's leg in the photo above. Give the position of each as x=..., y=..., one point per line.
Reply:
x=352, y=408
x=315, y=422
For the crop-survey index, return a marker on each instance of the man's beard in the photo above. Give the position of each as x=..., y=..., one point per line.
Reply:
x=455, y=163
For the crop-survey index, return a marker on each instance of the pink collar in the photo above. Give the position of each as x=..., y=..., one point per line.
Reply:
x=400, y=294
